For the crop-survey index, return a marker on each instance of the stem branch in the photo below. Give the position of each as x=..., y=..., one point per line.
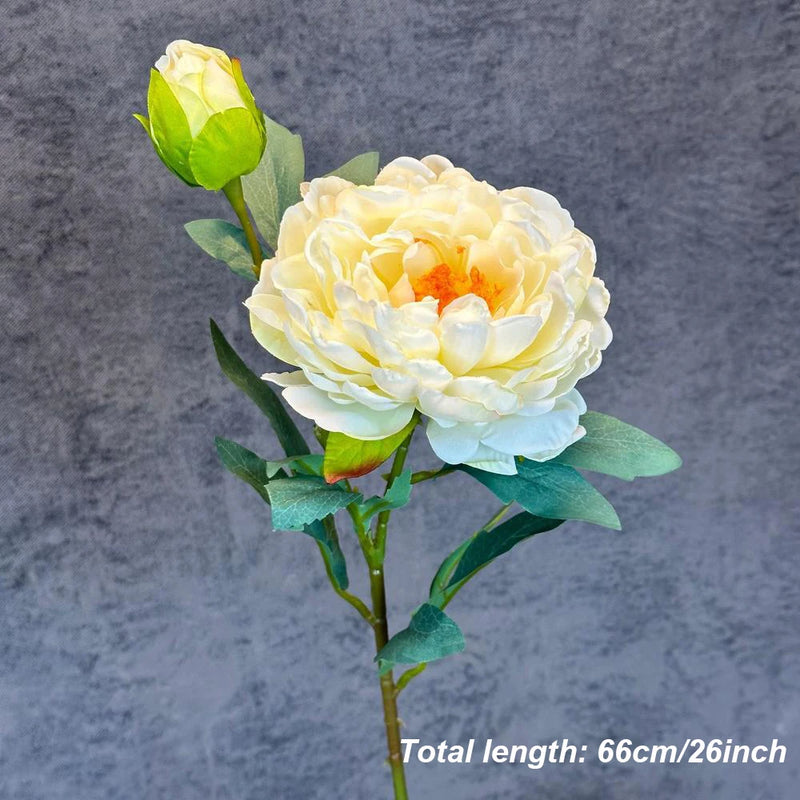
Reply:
x=233, y=191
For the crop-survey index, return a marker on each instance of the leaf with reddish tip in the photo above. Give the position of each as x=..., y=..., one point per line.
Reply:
x=346, y=457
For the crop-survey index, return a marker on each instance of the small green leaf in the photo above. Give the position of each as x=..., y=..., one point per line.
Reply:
x=396, y=496
x=346, y=457
x=485, y=546
x=223, y=241
x=301, y=500
x=261, y=196
x=430, y=636
x=229, y=145
x=550, y=490
x=615, y=448
x=288, y=162
x=331, y=552
x=260, y=393
x=244, y=464
x=255, y=471
x=360, y=170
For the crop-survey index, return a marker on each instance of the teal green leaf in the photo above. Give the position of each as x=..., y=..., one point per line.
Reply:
x=274, y=184
x=301, y=500
x=346, y=457
x=360, y=170
x=223, y=241
x=431, y=635
x=331, y=552
x=260, y=393
x=396, y=496
x=485, y=546
x=288, y=162
x=229, y=145
x=261, y=196
x=169, y=128
x=550, y=490
x=244, y=464
x=615, y=448
x=255, y=471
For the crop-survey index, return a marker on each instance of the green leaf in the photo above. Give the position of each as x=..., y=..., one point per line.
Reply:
x=396, y=496
x=346, y=457
x=301, y=500
x=229, y=145
x=360, y=170
x=169, y=128
x=261, y=196
x=223, y=241
x=485, y=546
x=305, y=465
x=550, y=490
x=615, y=448
x=430, y=636
x=274, y=184
x=255, y=471
x=331, y=552
x=244, y=464
x=288, y=162
x=260, y=393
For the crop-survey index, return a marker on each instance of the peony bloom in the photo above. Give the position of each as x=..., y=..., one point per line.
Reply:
x=203, y=121
x=433, y=291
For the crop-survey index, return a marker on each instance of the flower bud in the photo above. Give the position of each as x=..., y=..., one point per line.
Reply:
x=204, y=123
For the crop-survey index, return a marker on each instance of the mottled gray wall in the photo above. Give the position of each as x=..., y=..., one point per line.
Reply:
x=158, y=641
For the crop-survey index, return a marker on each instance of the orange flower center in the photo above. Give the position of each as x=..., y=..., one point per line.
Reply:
x=446, y=284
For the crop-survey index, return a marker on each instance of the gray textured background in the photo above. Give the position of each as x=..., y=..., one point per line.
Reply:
x=157, y=641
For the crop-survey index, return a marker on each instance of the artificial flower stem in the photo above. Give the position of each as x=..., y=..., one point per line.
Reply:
x=233, y=191
x=388, y=691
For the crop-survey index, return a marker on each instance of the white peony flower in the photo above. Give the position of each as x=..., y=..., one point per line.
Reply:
x=433, y=291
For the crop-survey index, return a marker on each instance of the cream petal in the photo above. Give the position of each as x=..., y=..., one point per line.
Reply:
x=507, y=338
x=352, y=419
x=454, y=445
x=284, y=379
x=463, y=332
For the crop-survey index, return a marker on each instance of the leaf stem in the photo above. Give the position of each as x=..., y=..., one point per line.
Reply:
x=431, y=474
x=357, y=603
x=233, y=191
x=407, y=677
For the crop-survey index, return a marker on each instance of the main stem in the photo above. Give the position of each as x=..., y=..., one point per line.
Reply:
x=235, y=194
x=378, y=592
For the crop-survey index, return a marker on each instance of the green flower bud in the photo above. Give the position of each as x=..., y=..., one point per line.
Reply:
x=204, y=123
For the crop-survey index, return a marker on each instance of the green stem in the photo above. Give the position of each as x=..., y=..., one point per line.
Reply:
x=383, y=517
x=388, y=691
x=233, y=191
